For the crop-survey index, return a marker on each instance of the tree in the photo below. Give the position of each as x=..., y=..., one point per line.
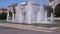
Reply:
x=57, y=10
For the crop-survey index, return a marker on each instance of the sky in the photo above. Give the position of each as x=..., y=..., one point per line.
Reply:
x=6, y=3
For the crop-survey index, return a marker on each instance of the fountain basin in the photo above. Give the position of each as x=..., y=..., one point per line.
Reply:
x=47, y=25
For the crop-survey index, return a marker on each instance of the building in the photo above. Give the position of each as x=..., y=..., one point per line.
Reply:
x=52, y=2
x=3, y=10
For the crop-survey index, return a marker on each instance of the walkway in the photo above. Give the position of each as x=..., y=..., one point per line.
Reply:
x=6, y=30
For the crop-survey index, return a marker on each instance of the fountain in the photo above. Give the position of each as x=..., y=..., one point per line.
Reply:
x=30, y=12
x=52, y=17
x=34, y=13
x=18, y=16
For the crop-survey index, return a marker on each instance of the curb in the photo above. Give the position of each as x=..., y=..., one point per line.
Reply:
x=28, y=27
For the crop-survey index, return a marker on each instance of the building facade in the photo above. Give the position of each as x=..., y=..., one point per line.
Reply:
x=3, y=10
x=52, y=2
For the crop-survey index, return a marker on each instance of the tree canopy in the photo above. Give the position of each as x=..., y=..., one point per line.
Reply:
x=57, y=10
x=3, y=16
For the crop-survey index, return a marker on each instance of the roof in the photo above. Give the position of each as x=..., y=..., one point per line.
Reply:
x=3, y=9
x=13, y=5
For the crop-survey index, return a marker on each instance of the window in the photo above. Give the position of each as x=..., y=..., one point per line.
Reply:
x=51, y=0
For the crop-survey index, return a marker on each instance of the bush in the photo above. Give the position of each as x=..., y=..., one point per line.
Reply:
x=3, y=16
